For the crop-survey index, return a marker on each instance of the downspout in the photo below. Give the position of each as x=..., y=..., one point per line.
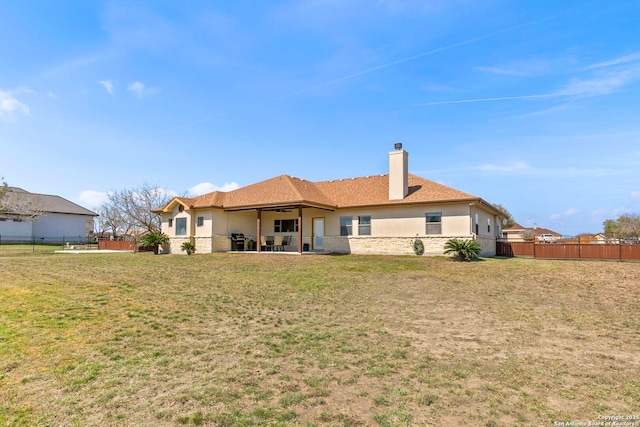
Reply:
x=192, y=227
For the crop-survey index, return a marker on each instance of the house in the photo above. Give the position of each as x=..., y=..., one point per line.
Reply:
x=25, y=216
x=379, y=214
x=518, y=233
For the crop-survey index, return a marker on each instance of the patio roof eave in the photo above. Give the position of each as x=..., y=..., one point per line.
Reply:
x=277, y=206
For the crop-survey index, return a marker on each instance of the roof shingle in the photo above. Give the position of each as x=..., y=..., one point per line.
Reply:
x=341, y=193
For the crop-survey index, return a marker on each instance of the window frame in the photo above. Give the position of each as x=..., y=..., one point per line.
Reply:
x=346, y=229
x=180, y=227
x=170, y=223
x=364, y=228
x=278, y=225
x=200, y=221
x=433, y=227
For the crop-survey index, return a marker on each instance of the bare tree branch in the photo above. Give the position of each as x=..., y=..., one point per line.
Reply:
x=129, y=211
x=21, y=205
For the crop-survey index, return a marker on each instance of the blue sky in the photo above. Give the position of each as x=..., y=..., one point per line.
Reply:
x=530, y=104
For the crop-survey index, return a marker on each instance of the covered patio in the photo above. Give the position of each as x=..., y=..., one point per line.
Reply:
x=294, y=231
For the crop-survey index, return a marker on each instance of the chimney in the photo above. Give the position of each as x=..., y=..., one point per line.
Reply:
x=398, y=173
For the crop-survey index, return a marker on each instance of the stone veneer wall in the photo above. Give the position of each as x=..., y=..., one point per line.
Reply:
x=174, y=245
x=433, y=245
x=488, y=245
x=220, y=244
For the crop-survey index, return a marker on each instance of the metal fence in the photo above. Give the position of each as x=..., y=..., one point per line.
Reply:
x=623, y=251
x=44, y=244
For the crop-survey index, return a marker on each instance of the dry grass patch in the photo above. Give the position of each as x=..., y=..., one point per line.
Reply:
x=245, y=340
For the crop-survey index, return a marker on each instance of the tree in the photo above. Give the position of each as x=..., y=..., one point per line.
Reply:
x=507, y=215
x=110, y=219
x=3, y=189
x=626, y=226
x=129, y=211
x=19, y=204
x=464, y=250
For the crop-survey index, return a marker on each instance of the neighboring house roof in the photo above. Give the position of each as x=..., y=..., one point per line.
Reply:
x=15, y=198
x=536, y=231
x=286, y=190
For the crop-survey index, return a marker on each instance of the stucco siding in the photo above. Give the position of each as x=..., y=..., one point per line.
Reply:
x=62, y=225
x=16, y=229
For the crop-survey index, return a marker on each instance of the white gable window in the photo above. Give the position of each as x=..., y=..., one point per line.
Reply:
x=181, y=226
x=434, y=222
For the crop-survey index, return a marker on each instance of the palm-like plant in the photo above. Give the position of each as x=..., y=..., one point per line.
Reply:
x=188, y=247
x=464, y=250
x=155, y=239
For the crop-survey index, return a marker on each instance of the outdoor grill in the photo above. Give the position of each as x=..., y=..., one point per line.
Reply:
x=237, y=242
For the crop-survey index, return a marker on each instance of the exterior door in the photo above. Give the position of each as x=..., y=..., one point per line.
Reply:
x=318, y=234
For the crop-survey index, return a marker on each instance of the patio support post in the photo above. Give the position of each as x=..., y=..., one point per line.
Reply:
x=300, y=229
x=259, y=230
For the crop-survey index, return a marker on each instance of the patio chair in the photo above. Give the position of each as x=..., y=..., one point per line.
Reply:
x=286, y=242
x=277, y=243
x=266, y=245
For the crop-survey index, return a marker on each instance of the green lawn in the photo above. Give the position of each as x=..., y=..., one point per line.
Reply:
x=276, y=340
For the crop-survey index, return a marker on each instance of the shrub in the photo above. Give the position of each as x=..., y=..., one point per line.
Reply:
x=418, y=246
x=188, y=247
x=464, y=250
x=155, y=239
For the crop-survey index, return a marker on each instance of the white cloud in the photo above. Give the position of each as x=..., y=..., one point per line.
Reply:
x=568, y=213
x=523, y=68
x=141, y=90
x=616, y=61
x=10, y=106
x=603, y=84
x=108, y=85
x=207, y=187
x=635, y=195
x=510, y=167
x=137, y=87
x=93, y=198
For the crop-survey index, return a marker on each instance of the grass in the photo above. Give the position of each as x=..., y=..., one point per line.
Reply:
x=247, y=340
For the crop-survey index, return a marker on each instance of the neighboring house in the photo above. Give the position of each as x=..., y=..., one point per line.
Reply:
x=518, y=233
x=24, y=216
x=379, y=214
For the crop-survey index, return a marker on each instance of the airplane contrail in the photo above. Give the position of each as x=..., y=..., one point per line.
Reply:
x=368, y=71
x=503, y=98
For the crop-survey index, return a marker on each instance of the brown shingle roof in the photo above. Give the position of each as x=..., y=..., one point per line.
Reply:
x=341, y=193
x=45, y=203
x=374, y=190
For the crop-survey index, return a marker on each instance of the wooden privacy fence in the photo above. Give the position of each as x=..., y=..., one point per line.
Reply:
x=117, y=245
x=619, y=252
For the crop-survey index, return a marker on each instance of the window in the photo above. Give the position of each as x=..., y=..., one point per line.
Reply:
x=285, y=225
x=346, y=226
x=477, y=225
x=364, y=225
x=434, y=222
x=170, y=223
x=488, y=225
x=180, y=208
x=200, y=221
x=181, y=226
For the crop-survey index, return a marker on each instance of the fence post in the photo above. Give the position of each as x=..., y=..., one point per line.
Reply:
x=579, y=250
x=620, y=250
